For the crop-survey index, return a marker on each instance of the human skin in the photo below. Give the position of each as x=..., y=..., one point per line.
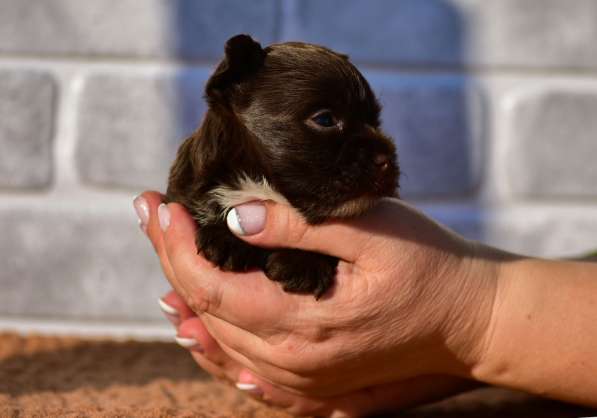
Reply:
x=412, y=299
x=543, y=338
x=389, y=397
x=214, y=359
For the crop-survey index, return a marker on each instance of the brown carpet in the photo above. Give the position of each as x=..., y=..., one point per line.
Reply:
x=70, y=377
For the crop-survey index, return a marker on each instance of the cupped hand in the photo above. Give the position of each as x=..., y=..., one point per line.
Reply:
x=411, y=299
x=192, y=334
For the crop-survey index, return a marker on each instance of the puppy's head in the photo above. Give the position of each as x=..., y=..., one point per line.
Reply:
x=301, y=117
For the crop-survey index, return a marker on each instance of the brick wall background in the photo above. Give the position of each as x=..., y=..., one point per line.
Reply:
x=493, y=106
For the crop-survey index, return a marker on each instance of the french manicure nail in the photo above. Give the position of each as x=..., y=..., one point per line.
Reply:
x=167, y=308
x=251, y=389
x=164, y=216
x=188, y=343
x=245, y=383
x=246, y=386
x=247, y=219
x=142, y=210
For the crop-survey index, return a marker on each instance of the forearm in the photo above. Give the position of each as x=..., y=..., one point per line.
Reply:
x=543, y=333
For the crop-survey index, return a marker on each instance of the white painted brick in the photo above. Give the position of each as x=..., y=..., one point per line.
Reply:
x=552, y=141
x=130, y=28
x=27, y=101
x=71, y=259
x=532, y=33
x=434, y=122
x=130, y=126
x=513, y=33
x=389, y=31
x=543, y=230
x=539, y=229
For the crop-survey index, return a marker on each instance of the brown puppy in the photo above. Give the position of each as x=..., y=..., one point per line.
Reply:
x=295, y=123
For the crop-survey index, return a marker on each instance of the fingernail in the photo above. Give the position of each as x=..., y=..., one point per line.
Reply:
x=250, y=388
x=167, y=308
x=188, y=343
x=245, y=383
x=246, y=386
x=247, y=219
x=164, y=216
x=142, y=209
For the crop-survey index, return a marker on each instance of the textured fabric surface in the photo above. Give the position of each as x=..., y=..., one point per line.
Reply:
x=70, y=377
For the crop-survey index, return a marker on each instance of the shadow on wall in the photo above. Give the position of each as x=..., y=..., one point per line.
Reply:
x=411, y=51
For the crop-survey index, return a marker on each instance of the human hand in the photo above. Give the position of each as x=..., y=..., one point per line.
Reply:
x=192, y=334
x=323, y=363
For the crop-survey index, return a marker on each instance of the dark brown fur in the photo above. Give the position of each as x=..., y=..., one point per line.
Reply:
x=260, y=124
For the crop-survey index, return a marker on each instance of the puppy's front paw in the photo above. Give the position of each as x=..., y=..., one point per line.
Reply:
x=301, y=271
x=222, y=248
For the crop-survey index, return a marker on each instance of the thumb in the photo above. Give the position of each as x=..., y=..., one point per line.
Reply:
x=274, y=225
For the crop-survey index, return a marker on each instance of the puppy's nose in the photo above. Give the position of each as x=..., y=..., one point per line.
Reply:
x=382, y=161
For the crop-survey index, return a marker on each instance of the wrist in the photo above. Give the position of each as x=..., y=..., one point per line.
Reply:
x=470, y=323
x=506, y=343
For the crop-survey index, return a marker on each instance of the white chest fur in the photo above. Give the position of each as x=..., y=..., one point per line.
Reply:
x=246, y=190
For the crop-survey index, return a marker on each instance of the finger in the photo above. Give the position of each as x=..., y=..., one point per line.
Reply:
x=174, y=306
x=146, y=205
x=155, y=233
x=382, y=398
x=257, y=355
x=295, y=404
x=400, y=395
x=228, y=371
x=229, y=296
x=213, y=369
x=152, y=200
x=264, y=391
x=241, y=346
x=194, y=336
x=272, y=225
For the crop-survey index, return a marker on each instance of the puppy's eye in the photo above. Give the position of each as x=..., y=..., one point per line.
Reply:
x=325, y=119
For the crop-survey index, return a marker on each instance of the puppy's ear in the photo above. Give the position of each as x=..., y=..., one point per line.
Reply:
x=221, y=144
x=244, y=57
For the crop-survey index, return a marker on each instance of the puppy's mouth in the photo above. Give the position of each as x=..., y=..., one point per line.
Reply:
x=382, y=186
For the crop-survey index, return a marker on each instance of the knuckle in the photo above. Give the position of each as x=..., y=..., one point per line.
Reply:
x=204, y=298
x=198, y=300
x=289, y=226
x=297, y=230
